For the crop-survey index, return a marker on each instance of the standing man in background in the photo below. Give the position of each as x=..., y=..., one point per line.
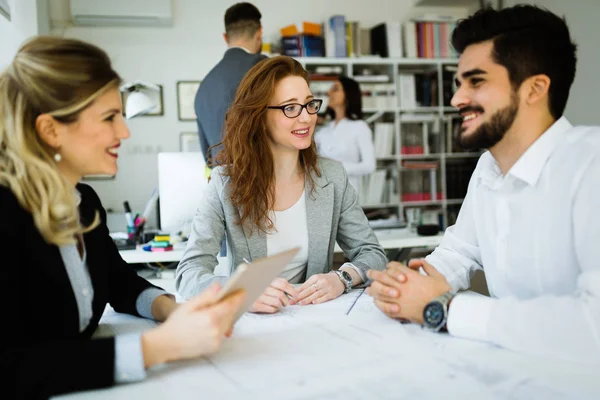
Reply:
x=243, y=34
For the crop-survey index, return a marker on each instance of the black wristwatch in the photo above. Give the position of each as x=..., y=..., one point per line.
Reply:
x=435, y=313
x=346, y=279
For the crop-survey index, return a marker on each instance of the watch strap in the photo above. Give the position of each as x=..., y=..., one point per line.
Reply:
x=347, y=284
x=444, y=300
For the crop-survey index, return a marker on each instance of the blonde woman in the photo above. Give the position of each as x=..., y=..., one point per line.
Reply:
x=61, y=119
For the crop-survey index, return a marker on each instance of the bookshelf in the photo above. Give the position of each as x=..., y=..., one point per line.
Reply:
x=407, y=105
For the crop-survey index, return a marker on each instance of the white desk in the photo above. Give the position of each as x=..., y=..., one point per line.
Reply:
x=318, y=352
x=139, y=256
x=388, y=238
x=402, y=239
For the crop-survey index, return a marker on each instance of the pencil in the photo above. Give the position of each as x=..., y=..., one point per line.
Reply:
x=355, y=300
x=286, y=293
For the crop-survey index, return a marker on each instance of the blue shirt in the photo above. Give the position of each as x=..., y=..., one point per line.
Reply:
x=129, y=359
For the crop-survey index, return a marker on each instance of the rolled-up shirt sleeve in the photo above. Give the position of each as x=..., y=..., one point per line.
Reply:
x=359, y=271
x=144, y=301
x=129, y=358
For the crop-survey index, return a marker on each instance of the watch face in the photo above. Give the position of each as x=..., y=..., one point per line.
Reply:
x=433, y=315
x=346, y=276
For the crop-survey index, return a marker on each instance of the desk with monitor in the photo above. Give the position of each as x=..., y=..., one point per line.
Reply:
x=181, y=185
x=388, y=238
x=184, y=173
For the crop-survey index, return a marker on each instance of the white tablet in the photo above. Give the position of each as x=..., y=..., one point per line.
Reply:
x=254, y=278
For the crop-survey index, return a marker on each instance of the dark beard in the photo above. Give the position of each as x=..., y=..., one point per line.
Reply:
x=491, y=132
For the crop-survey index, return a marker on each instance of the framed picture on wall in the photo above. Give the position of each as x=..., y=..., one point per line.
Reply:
x=156, y=97
x=5, y=9
x=186, y=93
x=189, y=142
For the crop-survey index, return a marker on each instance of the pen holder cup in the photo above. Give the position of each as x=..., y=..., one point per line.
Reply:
x=125, y=244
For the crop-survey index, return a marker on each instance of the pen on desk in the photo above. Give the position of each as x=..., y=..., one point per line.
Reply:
x=355, y=300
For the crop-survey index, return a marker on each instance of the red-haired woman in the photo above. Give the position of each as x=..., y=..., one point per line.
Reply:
x=270, y=192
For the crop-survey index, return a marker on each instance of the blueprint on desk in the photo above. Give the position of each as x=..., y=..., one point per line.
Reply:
x=319, y=352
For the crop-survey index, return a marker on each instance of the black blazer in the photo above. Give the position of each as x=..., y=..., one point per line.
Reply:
x=42, y=352
x=217, y=91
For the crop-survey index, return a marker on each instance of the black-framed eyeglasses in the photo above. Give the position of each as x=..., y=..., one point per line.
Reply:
x=295, y=109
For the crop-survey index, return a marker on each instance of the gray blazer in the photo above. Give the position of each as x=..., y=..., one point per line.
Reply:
x=332, y=212
x=217, y=91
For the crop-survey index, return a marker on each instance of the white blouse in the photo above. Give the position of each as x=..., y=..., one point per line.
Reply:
x=351, y=143
x=291, y=230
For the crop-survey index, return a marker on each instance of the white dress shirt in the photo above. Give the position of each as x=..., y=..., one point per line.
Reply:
x=536, y=233
x=351, y=143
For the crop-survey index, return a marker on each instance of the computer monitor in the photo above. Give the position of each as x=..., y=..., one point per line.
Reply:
x=181, y=185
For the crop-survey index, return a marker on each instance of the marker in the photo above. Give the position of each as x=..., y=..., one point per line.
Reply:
x=128, y=216
x=139, y=227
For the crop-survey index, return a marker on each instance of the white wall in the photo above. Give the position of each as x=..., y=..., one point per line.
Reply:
x=582, y=19
x=187, y=51
x=24, y=23
x=7, y=45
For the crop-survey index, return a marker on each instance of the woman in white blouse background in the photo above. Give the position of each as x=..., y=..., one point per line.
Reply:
x=347, y=139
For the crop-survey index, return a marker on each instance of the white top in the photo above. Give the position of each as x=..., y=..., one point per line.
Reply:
x=351, y=143
x=536, y=234
x=291, y=230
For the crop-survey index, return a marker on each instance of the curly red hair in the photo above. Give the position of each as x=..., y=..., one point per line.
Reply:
x=245, y=154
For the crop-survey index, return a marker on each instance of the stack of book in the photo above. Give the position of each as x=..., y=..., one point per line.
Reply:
x=373, y=188
x=302, y=45
x=412, y=135
x=377, y=95
x=160, y=243
x=384, y=139
x=302, y=40
x=429, y=37
x=335, y=37
x=418, y=89
x=420, y=181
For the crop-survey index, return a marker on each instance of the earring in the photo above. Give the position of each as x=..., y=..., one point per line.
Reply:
x=57, y=157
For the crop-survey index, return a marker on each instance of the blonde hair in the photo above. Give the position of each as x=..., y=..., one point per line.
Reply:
x=59, y=77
